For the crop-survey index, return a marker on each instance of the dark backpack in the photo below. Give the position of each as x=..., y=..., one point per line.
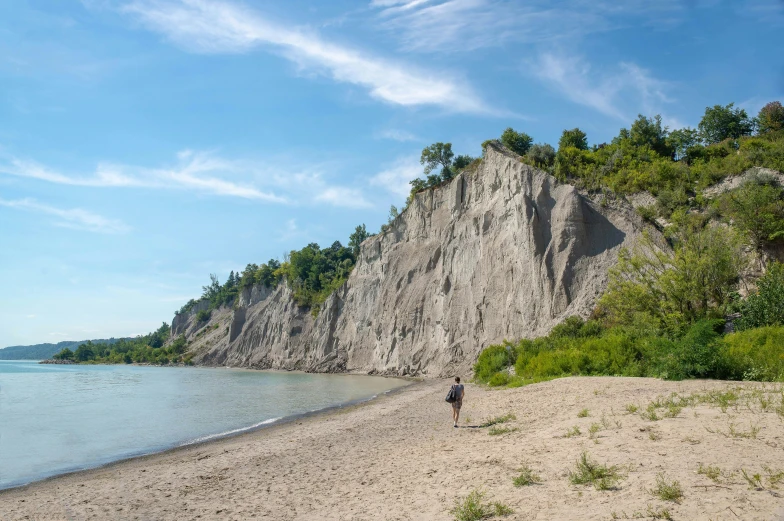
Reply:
x=451, y=396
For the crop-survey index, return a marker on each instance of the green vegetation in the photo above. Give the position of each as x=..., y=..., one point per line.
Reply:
x=312, y=273
x=497, y=431
x=662, y=314
x=148, y=348
x=474, y=507
x=527, y=477
x=589, y=472
x=583, y=413
x=498, y=420
x=667, y=490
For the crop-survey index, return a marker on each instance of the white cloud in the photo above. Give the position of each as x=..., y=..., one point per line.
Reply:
x=342, y=196
x=208, y=173
x=75, y=218
x=195, y=171
x=223, y=27
x=396, y=179
x=396, y=135
x=465, y=25
x=620, y=94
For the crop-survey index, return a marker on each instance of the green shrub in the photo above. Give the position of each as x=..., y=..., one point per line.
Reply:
x=494, y=359
x=756, y=354
x=766, y=307
x=474, y=507
x=203, y=315
x=499, y=379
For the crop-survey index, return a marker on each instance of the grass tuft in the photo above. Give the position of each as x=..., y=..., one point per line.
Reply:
x=589, y=472
x=497, y=431
x=711, y=472
x=499, y=419
x=631, y=408
x=583, y=413
x=474, y=508
x=527, y=477
x=667, y=491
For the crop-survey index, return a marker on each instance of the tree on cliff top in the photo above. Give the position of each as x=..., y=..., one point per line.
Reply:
x=517, y=142
x=720, y=123
x=438, y=154
x=573, y=138
x=770, y=118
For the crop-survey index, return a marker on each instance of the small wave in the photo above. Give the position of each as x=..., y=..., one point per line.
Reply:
x=234, y=431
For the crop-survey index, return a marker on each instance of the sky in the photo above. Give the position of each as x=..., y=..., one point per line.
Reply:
x=145, y=144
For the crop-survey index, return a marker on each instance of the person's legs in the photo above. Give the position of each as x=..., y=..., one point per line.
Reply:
x=457, y=412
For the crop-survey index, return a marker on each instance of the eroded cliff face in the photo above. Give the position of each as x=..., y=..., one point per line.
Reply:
x=501, y=252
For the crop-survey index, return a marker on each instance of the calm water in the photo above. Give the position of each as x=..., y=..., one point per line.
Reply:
x=58, y=418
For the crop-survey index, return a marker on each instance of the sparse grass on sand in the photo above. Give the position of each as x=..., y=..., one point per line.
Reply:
x=474, y=507
x=527, y=477
x=667, y=490
x=498, y=419
x=497, y=431
x=589, y=472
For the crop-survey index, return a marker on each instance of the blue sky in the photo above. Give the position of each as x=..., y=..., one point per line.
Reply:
x=145, y=144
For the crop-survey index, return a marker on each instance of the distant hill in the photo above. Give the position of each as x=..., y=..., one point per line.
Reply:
x=43, y=351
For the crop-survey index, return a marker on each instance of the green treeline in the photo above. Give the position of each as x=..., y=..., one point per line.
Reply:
x=313, y=273
x=663, y=312
x=149, y=348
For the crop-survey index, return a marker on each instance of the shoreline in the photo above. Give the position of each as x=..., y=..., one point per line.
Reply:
x=398, y=458
x=218, y=437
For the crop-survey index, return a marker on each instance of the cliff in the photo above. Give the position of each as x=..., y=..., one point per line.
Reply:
x=503, y=251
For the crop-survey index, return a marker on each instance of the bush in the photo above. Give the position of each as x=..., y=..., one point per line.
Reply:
x=756, y=354
x=203, y=315
x=766, y=307
x=695, y=355
x=493, y=360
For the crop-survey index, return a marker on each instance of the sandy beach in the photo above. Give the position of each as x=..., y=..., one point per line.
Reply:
x=399, y=458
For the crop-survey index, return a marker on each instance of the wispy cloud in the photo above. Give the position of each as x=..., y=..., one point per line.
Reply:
x=396, y=179
x=208, y=173
x=223, y=27
x=192, y=171
x=343, y=196
x=610, y=93
x=75, y=218
x=396, y=135
x=465, y=25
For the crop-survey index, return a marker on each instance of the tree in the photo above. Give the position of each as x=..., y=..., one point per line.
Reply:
x=681, y=140
x=357, y=238
x=650, y=132
x=541, y=155
x=212, y=290
x=438, y=154
x=766, y=306
x=84, y=352
x=770, y=118
x=757, y=208
x=670, y=290
x=462, y=161
x=720, y=123
x=65, y=354
x=573, y=138
x=517, y=142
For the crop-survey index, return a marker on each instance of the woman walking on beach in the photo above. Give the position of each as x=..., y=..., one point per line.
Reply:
x=459, y=393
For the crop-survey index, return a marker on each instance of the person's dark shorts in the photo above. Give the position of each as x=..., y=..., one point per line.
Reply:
x=456, y=405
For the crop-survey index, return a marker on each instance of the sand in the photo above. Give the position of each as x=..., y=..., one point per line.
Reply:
x=399, y=458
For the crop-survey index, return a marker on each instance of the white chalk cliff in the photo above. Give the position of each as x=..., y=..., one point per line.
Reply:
x=503, y=251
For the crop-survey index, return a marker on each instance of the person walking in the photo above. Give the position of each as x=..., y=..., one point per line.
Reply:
x=459, y=393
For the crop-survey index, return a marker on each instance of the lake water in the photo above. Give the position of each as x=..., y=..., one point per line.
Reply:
x=59, y=418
